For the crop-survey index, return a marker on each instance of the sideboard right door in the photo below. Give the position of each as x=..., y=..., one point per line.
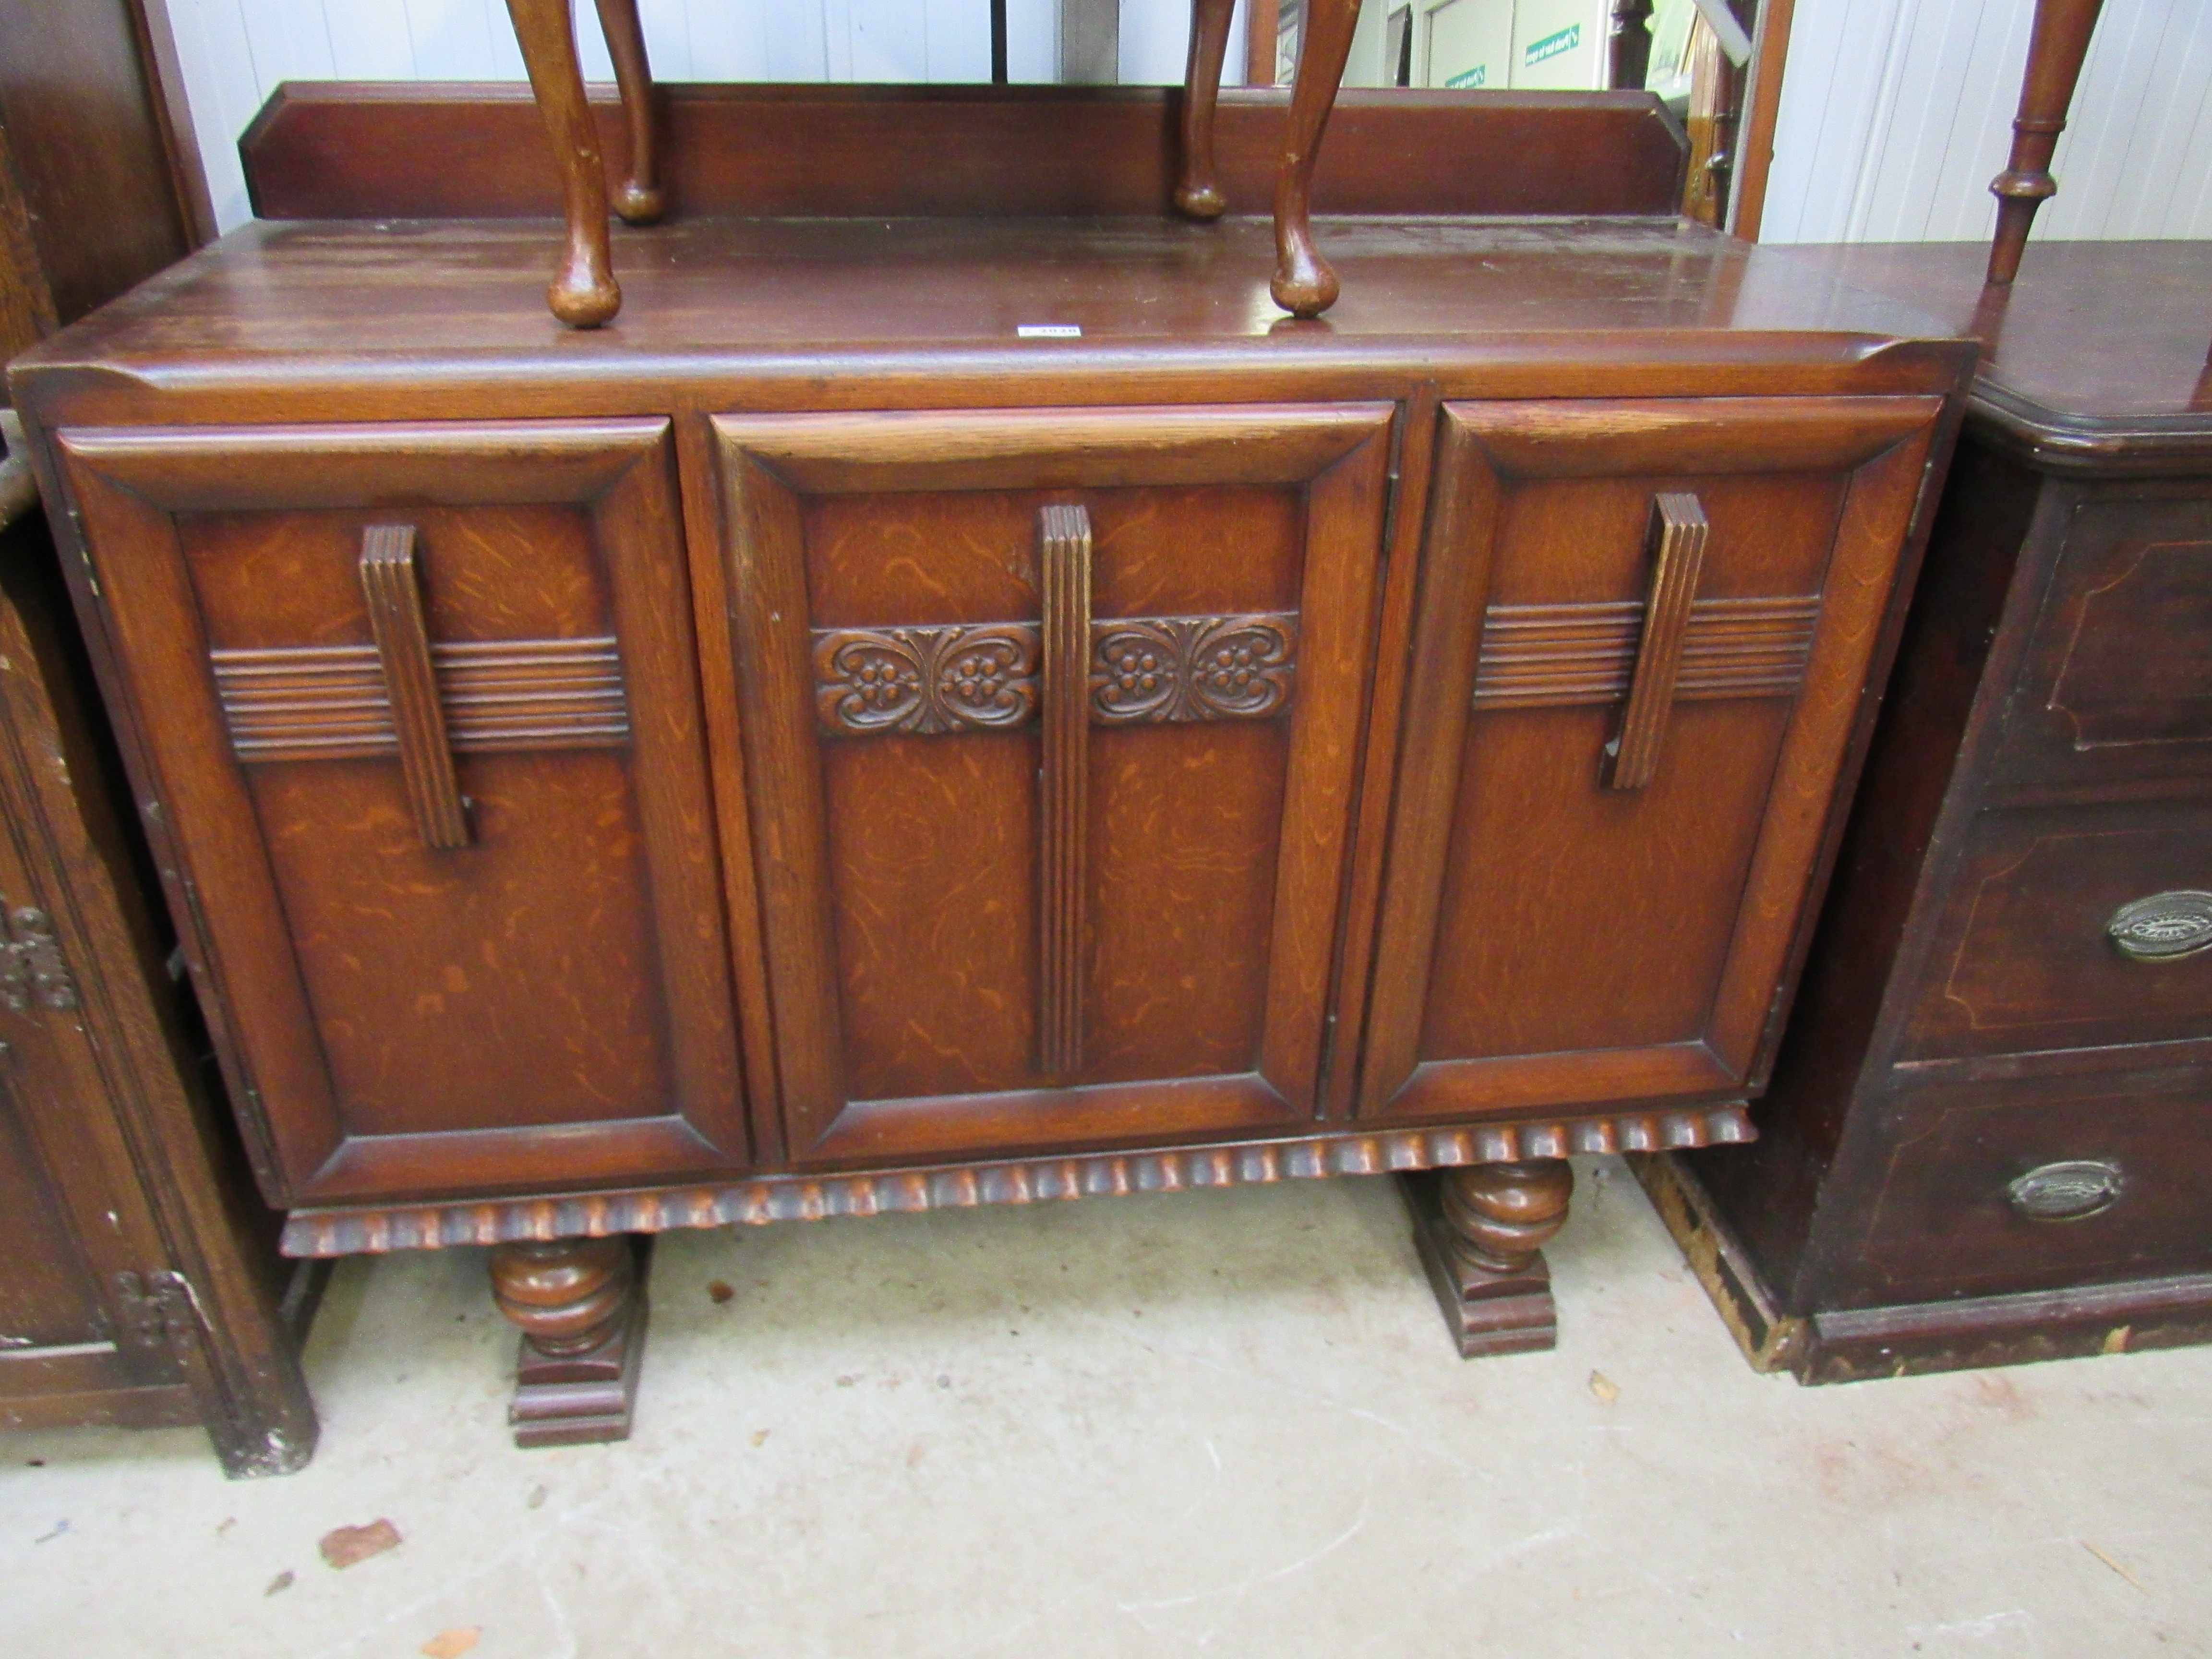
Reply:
x=1645, y=634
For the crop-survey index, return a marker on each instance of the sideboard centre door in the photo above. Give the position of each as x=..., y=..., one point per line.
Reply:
x=1050, y=721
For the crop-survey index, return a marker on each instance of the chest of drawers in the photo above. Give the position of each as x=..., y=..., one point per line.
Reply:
x=810, y=750
x=1987, y=1138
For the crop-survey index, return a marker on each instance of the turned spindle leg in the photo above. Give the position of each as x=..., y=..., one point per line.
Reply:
x=1198, y=195
x=638, y=199
x=1481, y=1231
x=1628, y=45
x=1304, y=286
x=583, y=294
x=2055, y=51
x=580, y=1305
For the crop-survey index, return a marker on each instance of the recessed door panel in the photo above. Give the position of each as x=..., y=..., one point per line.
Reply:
x=424, y=708
x=1646, y=631
x=1051, y=720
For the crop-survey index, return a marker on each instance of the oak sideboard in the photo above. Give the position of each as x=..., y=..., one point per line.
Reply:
x=928, y=713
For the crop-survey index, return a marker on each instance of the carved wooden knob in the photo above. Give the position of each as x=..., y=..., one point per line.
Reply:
x=2163, y=927
x=2071, y=1191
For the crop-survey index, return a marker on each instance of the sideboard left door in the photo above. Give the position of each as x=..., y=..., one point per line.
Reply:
x=419, y=707
x=1051, y=718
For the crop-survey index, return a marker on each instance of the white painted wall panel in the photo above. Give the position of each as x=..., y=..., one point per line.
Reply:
x=1897, y=113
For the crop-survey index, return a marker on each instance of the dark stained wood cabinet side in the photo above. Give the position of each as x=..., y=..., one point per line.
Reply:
x=141, y=1285
x=1986, y=1137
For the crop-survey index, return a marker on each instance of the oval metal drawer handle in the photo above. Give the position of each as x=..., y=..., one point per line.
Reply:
x=2070, y=1191
x=2163, y=927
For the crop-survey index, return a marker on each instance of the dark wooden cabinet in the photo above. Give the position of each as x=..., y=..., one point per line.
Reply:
x=139, y=1284
x=1986, y=1138
x=814, y=749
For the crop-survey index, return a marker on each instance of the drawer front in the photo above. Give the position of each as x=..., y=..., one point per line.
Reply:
x=1988, y=1189
x=2072, y=929
x=1050, y=725
x=2117, y=688
x=1645, y=633
x=420, y=702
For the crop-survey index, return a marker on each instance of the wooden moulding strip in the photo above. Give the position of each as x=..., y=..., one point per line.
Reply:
x=761, y=1199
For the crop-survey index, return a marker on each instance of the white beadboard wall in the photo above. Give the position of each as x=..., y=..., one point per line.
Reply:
x=1897, y=113
x=235, y=52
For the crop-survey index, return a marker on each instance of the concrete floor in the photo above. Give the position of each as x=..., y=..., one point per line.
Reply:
x=1220, y=1422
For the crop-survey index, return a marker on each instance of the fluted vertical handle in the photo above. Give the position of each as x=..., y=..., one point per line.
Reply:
x=1678, y=537
x=402, y=648
x=1064, y=559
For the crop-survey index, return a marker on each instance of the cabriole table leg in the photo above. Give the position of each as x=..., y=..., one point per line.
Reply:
x=1305, y=285
x=583, y=294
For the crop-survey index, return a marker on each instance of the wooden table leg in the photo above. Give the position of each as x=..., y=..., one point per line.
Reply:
x=583, y=294
x=2055, y=51
x=1304, y=286
x=1198, y=194
x=1481, y=1231
x=639, y=200
x=580, y=1305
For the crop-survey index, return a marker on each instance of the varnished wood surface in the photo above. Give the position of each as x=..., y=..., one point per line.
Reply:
x=2098, y=351
x=770, y=1198
x=862, y=442
x=131, y=1253
x=87, y=143
x=928, y=311
x=566, y=968
x=376, y=150
x=1541, y=932
x=2042, y=762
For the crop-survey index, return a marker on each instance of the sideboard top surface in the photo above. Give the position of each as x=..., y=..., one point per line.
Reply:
x=2098, y=354
x=819, y=304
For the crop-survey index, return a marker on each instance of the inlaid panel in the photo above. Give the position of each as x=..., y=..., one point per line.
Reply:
x=2078, y=928
x=2116, y=687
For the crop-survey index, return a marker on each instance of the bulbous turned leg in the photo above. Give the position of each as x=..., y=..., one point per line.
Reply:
x=1305, y=285
x=638, y=199
x=583, y=294
x=580, y=1305
x=1481, y=1231
x=1197, y=194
